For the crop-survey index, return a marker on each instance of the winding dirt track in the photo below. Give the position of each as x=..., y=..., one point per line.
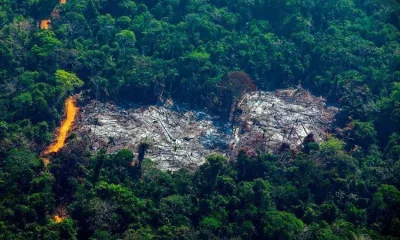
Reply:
x=46, y=24
x=71, y=110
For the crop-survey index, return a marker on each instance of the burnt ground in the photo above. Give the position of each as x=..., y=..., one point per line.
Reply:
x=182, y=138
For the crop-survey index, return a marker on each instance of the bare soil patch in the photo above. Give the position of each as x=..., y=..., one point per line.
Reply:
x=182, y=138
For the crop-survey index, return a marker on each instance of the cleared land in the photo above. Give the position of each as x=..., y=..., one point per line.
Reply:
x=182, y=138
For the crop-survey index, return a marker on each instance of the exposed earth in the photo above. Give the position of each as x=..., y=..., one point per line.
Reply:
x=182, y=138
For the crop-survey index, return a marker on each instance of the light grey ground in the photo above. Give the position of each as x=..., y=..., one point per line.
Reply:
x=269, y=119
x=183, y=138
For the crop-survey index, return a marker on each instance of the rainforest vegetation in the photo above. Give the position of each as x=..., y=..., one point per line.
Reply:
x=347, y=51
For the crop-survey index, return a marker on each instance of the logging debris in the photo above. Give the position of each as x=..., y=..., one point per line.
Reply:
x=181, y=138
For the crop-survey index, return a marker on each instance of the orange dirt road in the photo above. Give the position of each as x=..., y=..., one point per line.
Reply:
x=71, y=110
x=58, y=219
x=46, y=24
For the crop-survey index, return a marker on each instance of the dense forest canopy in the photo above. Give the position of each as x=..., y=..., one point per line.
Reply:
x=120, y=51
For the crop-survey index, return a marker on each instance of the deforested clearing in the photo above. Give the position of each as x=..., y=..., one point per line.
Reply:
x=180, y=137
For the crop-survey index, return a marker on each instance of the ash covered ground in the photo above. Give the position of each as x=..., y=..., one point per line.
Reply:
x=182, y=138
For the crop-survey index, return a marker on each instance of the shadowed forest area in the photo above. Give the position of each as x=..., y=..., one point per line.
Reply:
x=207, y=54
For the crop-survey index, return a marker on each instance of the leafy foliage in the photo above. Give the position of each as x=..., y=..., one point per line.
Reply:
x=205, y=53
